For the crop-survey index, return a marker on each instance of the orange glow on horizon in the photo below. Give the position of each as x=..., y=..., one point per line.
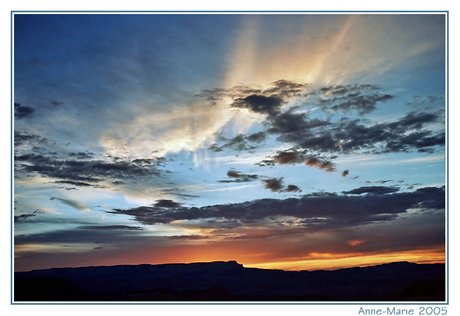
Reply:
x=264, y=259
x=334, y=261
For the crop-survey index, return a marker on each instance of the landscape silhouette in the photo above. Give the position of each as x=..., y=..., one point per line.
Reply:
x=230, y=281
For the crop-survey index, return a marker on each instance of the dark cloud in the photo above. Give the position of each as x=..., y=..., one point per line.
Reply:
x=315, y=162
x=166, y=204
x=214, y=147
x=425, y=100
x=111, y=227
x=293, y=188
x=347, y=136
x=288, y=122
x=261, y=101
x=76, y=183
x=151, y=214
x=344, y=136
x=413, y=120
x=362, y=104
x=160, y=209
x=372, y=190
x=18, y=218
x=240, y=177
x=265, y=163
x=274, y=185
x=286, y=157
x=21, y=138
x=296, y=157
x=286, y=88
x=359, y=97
x=188, y=237
x=239, y=142
x=22, y=111
x=344, y=90
x=260, y=104
x=315, y=211
x=82, y=155
x=178, y=192
x=256, y=137
x=277, y=185
x=82, y=171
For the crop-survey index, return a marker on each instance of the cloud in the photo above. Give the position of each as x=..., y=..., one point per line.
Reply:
x=263, y=101
x=291, y=125
x=110, y=227
x=359, y=97
x=240, y=177
x=260, y=104
x=286, y=157
x=80, y=170
x=188, y=237
x=237, y=143
x=81, y=155
x=71, y=203
x=363, y=104
x=256, y=137
x=313, y=211
x=346, y=136
x=297, y=157
x=274, y=185
x=177, y=192
x=21, y=138
x=22, y=111
x=240, y=142
x=315, y=162
x=265, y=163
x=22, y=217
x=372, y=190
x=288, y=122
x=293, y=188
x=76, y=183
x=161, y=208
x=118, y=235
x=286, y=88
x=166, y=204
x=414, y=120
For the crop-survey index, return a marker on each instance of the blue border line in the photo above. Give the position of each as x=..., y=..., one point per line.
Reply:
x=447, y=158
x=11, y=160
x=233, y=303
x=223, y=12
x=243, y=303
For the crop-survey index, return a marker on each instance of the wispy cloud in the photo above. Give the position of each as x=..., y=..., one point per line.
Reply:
x=71, y=203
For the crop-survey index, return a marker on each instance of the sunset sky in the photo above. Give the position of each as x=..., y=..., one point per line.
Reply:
x=287, y=141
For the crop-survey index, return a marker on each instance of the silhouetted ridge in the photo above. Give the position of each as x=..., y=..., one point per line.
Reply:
x=230, y=281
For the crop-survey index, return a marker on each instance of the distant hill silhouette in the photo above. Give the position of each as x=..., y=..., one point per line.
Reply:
x=230, y=281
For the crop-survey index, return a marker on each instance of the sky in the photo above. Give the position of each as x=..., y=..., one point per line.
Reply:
x=281, y=141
